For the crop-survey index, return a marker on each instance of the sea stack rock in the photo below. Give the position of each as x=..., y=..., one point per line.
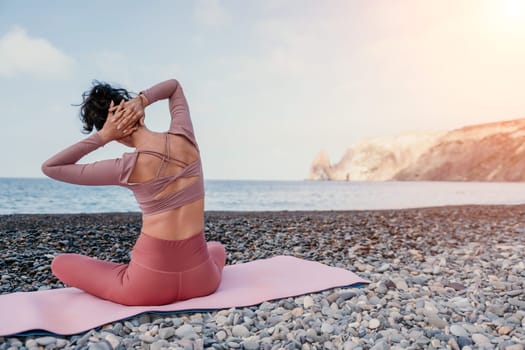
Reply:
x=486, y=152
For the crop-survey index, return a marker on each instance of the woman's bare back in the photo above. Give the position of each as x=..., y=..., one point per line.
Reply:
x=182, y=222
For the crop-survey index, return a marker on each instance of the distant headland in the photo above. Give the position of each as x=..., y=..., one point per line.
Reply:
x=485, y=152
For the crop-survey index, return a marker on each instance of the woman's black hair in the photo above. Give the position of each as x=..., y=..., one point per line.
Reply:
x=96, y=102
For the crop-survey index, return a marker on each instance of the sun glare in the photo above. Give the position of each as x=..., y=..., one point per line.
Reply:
x=514, y=9
x=506, y=16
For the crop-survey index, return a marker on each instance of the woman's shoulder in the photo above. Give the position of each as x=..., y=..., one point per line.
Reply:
x=128, y=159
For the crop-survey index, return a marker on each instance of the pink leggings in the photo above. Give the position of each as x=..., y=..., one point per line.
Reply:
x=160, y=271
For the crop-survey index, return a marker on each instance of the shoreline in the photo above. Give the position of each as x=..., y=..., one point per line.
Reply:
x=431, y=207
x=442, y=277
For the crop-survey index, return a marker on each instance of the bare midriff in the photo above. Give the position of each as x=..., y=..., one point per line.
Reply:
x=175, y=224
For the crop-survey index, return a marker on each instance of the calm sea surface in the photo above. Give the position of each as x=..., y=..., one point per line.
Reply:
x=19, y=195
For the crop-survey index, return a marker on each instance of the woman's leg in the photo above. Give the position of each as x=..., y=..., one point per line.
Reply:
x=218, y=254
x=96, y=277
x=121, y=283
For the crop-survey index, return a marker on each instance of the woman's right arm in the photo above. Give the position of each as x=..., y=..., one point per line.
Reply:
x=179, y=110
x=172, y=90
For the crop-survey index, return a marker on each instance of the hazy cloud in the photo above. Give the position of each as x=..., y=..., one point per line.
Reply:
x=210, y=12
x=21, y=54
x=113, y=67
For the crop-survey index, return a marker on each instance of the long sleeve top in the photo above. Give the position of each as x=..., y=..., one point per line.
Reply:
x=63, y=165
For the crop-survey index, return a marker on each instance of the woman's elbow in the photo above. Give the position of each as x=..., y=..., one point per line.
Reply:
x=174, y=82
x=47, y=169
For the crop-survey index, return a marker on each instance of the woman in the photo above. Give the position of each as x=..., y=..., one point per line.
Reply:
x=170, y=260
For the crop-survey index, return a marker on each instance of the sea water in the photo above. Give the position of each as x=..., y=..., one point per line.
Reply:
x=33, y=196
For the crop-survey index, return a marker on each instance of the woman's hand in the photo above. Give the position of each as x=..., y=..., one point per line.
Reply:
x=133, y=113
x=110, y=131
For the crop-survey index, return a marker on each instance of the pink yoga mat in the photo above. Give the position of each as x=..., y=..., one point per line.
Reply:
x=70, y=310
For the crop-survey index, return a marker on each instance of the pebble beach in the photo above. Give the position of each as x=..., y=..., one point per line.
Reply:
x=441, y=278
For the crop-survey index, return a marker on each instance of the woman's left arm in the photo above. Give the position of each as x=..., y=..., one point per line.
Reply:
x=62, y=166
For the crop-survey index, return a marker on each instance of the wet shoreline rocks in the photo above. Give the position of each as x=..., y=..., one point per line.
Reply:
x=442, y=278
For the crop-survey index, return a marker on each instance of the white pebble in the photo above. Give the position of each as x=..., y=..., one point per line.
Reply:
x=220, y=335
x=374, y=323
x=308, y=302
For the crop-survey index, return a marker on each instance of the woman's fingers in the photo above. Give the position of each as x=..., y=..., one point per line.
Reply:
x=130, y=116
x=130, y=131
x=112, y=108
x=128, y=108
x=126, y=114
x=118, y=112
x=121, y=106
x=116, y=117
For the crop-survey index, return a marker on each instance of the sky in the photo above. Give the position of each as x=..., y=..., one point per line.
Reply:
x=269, y=83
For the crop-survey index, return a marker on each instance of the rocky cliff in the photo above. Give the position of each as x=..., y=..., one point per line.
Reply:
x=486, y=152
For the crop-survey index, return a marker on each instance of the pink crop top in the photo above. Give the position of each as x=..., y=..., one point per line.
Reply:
x=63, y=167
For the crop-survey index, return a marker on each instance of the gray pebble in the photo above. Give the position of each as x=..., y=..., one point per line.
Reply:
x=515, y=347
x=240, y=331
x=327, y=328
x=184, y=330
x=31, y=343
x=518, y=303
x=45, y=341
x=480, y=339
x=250, y=345
x=436, y=321
x=233, y=345
x=463, y=341
x=165, y=333
x=380, y=345
x=267, y=306
x=146, y=338
x=100, y=346
x=159, y=344
x=458, y=331
x=516, y=292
